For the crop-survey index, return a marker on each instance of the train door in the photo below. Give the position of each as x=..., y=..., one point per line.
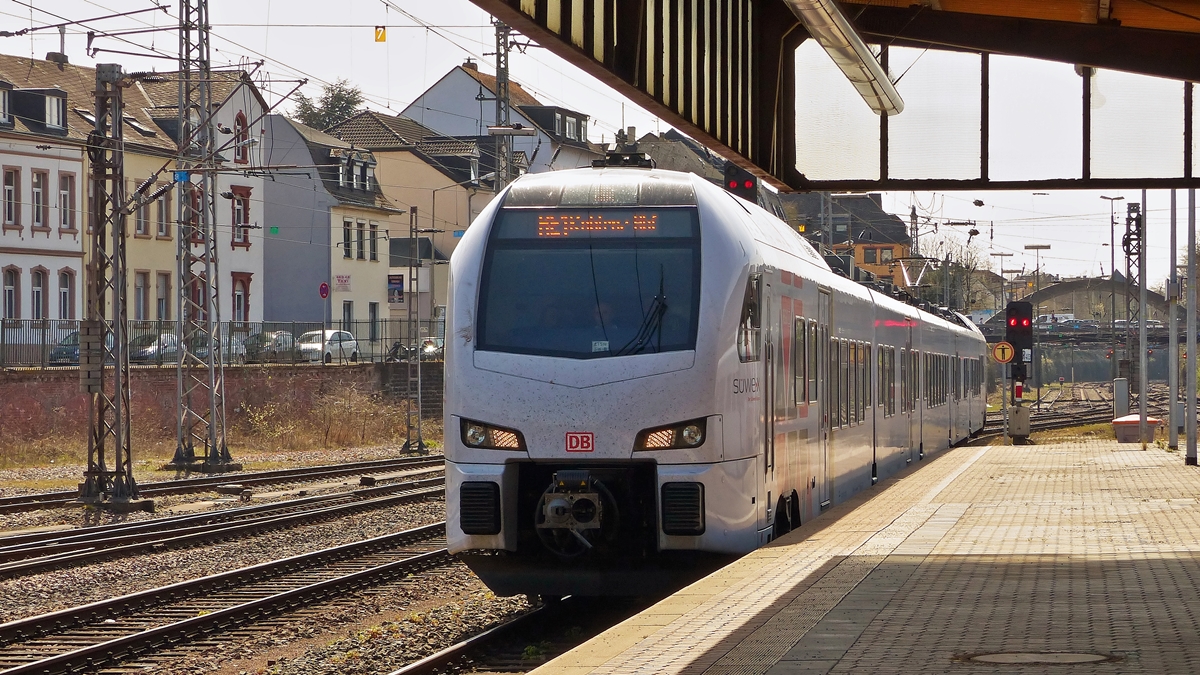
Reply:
x=768, y=407
x=824, y=449
x=909, y=390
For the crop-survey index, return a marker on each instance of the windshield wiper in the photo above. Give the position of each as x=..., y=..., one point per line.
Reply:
x=651, y=322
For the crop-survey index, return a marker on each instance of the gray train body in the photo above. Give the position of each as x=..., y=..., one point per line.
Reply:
x=646, y=375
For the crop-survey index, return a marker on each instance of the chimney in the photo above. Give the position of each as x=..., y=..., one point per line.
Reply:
x=470, y=65
x=57, y=57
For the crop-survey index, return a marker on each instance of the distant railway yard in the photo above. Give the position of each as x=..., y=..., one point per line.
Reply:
x=337, y=567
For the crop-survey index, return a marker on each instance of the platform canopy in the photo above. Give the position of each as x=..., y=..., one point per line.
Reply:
x=997, y=94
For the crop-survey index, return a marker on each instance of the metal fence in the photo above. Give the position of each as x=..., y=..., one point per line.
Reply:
x=26, y=343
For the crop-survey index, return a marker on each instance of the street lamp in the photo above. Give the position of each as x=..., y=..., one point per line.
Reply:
x=1112, y=275
x=1037, y=341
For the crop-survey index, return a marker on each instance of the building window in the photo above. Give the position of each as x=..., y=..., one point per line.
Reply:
x=347, y=238
x=868, y=255
x=373, y=318
x=163, y=215
x=361, y=243
x=4, y=106
x=354, y=175
x=239, y=303
x=241, y=139
x=141, y=296
x=885, y=255
x=54, y=112
x=41, y=216
x=241, y=215
x=66, y=294
x=66, y=202
x=37, y=297
x=572, y=128
x=141, y=221
x=374, y=240
x=558, y=125
x=162, y=297
x=348, y=315
x=12, y=197
x=12, y=293
x=241, y=296
x=342, y=175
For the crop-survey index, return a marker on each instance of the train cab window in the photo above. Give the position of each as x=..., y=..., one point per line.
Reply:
x=587, y=283
x=800, y=356
x=749, y=337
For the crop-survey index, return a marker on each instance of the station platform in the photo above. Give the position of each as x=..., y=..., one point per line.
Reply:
x=1080, y=556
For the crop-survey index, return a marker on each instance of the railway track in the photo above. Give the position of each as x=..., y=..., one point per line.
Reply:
x=41, y=551
x=151, y=623
x=63, y=498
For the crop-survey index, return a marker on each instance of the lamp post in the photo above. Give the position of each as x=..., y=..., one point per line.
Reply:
x=1112, y=276
x=1037, y=341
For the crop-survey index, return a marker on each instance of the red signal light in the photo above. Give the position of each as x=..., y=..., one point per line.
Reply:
x=1025, y=323
x=733, y=185
x=1012, y=321
x=749, y=184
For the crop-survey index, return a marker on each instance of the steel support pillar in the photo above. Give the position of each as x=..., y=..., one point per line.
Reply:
x=103, y=352
x=201, y=382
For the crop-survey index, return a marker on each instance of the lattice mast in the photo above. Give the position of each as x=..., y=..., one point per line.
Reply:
x=503, y=109
x=201, y=412
x=1135, y=230
x=103, y=355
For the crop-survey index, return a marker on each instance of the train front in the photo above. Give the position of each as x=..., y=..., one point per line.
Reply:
x=581, y=443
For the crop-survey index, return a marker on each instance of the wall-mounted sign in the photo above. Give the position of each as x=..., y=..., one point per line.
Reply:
x=341, y=283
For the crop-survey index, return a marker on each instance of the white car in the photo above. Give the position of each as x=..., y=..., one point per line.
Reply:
x=339, y=345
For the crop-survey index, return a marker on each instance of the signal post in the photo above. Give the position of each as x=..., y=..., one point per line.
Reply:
x=1018, y=335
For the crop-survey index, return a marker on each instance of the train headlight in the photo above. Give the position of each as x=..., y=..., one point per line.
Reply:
x=488, y=437
x=688, y=434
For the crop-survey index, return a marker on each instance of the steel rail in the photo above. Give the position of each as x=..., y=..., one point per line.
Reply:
x=435, y=662
x=30, y=502
x=97, y=612
x=122, y=648
x=73, y=554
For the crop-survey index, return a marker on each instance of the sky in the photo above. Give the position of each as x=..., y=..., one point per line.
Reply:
x=1034, y=113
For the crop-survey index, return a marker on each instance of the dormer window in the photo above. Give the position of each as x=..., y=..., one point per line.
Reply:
x=366, y=183
x=572, y=128
x=354, y=175
x=343, y=178
x=4, y=118
x=370, y=180
x=558, y=124
x=55, y=112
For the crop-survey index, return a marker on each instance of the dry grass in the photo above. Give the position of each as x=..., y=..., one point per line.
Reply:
x=265, y=420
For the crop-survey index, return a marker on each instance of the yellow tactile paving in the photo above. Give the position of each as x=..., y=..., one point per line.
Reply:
x=1085, y=546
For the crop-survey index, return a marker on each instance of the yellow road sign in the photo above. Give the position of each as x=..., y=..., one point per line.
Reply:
x=1003, y=352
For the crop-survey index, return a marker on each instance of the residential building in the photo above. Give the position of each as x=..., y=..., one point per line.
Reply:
x=855, y=225
x=462, y=103
x=447, y=180
x=240, y=122
x=328, y=223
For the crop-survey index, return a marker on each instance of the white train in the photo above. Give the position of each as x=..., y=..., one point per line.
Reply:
x=642, y=368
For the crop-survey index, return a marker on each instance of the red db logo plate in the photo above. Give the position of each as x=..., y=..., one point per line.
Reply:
x=581, y=441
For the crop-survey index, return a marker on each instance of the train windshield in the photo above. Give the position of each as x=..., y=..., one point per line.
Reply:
x=591, y=283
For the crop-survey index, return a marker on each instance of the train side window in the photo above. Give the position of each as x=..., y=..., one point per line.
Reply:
x=891, y=378
x=866, y=383
x=845, y=400
x=852, y=380
x=903, y=380
x=749, y=336
x=813, y=357
x=800, y=354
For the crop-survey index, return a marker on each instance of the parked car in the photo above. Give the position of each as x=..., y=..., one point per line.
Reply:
x=339, y=345
x=232, y=352
x=151, y=348
x=66, y=352
x=276, y=346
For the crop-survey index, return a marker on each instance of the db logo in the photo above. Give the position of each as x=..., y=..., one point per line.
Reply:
x=581, y=441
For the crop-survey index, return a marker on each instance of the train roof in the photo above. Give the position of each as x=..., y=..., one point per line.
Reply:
x=626, y=186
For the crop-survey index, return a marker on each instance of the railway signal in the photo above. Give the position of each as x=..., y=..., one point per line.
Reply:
x=1018, y=331
x=741, y=182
